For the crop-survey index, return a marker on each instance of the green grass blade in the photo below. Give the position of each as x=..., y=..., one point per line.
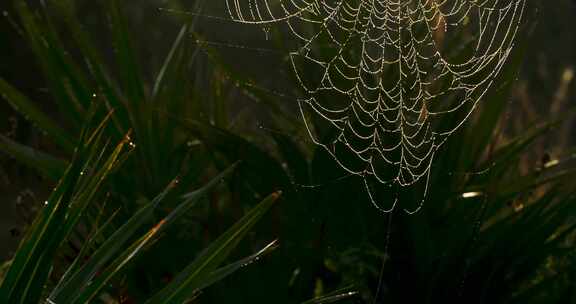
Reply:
x=118, y=264
x=160, y=79
x=78, y=286
x=33, y=263
x=335, y=296
x=221, y=273
x=88, y=193
x=126, y=56
x=109, y=249
x=48, y=55
x=41, y=240
x=90, y=244
x=106, y=91
x=88, y=186
x=184, y=285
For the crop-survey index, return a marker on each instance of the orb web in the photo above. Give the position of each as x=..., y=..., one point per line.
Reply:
x=386, y=82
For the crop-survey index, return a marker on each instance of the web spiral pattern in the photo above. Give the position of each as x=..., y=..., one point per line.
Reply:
x=392, y=78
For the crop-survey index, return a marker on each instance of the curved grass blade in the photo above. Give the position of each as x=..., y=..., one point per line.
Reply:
x=37, y=241
x=186, y=283
x=227, y=270
x=335, y=296
x=111, y=248
x=87, y=187
x=168, y=62
x=81, y=286
x=119, y=264
x=32, y=264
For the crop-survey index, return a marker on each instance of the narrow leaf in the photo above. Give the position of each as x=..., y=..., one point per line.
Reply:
x=184, y=285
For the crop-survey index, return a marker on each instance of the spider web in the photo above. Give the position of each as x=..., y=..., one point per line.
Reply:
x=386, y=82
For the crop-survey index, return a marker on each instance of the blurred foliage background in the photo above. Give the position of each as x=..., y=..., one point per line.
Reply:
x=499, y=235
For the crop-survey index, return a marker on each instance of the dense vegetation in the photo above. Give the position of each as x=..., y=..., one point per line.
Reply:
x=161, y=194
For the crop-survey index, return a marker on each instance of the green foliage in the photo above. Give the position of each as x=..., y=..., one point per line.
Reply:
x=105, y=255
x=491, y=230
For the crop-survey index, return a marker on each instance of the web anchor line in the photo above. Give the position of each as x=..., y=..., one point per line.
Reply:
x=385, y=258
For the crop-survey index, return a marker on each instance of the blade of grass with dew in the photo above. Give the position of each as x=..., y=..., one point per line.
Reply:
x=90, y=191
x=84, y=192
x=116, y=267
x=74, y=285
x=335, y=296
x=185, y=283
x=110, y=248
x=222, y=272
x=31, y=265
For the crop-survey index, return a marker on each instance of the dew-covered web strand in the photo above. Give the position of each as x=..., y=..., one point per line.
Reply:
x=388, y=60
